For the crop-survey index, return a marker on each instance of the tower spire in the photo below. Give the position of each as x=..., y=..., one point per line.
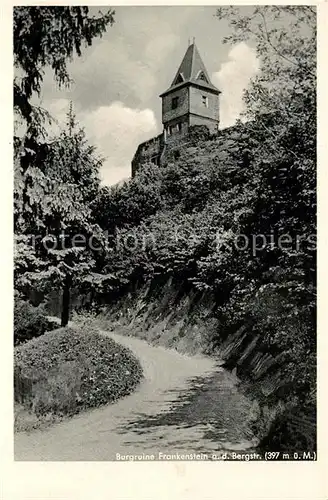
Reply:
x=191, y=68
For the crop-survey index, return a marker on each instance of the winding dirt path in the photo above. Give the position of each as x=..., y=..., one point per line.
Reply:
x=184, y=405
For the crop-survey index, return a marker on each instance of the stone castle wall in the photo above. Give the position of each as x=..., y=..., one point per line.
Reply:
x=160, y=152
x=148, y=152
x=161, y=149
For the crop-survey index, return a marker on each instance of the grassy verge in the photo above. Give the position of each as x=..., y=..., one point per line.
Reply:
x=69, y=370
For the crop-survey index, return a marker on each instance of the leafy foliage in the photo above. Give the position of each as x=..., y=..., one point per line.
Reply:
x=57, y=186
x=130, y=202
x=29, y=321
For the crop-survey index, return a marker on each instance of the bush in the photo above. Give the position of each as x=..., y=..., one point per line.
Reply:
x=68, y=370
x=30, y=321
x=199, y=133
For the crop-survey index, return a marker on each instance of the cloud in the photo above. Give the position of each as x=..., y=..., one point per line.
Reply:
x=116, y=75
x=129, y=63
x=117, y=131
x=232, y=79
x=58, y=109
x=126, y=64
x=158, y=49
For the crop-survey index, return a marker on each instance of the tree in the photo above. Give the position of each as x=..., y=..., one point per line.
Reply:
x=278, y=288
x=54, y=182
x=62, y=177
x=281, y=106
x=130, y=202
x=59, y=242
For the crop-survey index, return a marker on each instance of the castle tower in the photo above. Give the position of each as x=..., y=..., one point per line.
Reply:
x=190, y=100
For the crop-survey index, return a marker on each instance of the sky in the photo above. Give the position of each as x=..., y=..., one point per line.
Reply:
x=117, y=81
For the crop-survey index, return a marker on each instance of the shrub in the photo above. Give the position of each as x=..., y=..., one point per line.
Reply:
x=199, y=133
x=68, y=370
x=29, y=321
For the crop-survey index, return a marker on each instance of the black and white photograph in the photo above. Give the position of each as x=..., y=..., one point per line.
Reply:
x=165, y=236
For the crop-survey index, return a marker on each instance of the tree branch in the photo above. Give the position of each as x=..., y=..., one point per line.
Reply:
x=275, y=49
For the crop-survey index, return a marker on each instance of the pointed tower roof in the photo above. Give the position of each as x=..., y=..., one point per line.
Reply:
x=192, y=70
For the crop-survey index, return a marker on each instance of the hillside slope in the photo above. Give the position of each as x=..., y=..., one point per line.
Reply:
x=210, y=228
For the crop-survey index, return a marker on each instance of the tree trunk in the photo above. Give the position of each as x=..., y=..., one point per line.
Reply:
x=66, y=300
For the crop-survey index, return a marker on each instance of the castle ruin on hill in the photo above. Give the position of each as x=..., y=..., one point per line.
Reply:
x=191, y=100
